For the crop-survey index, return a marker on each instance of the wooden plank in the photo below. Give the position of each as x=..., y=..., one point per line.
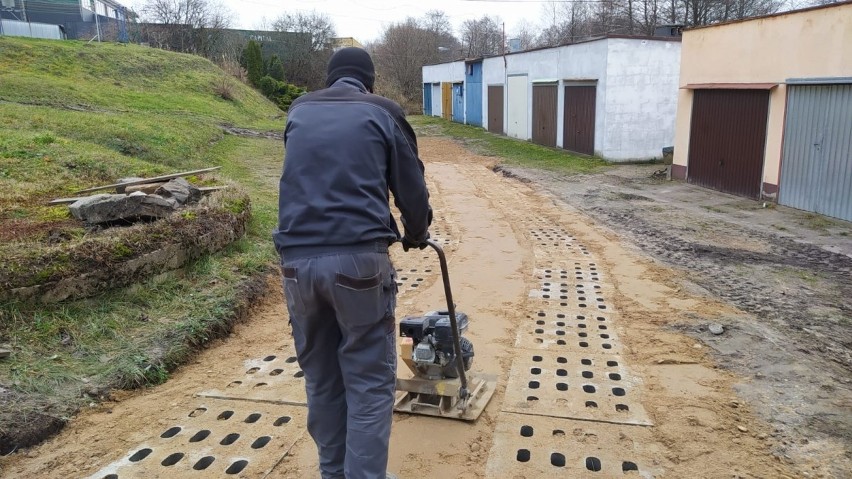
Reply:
x=150, y=180
x=65, y=201
x=68, y=201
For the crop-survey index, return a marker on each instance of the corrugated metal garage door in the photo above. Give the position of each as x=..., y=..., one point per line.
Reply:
x=816, y=165
x=518, y=108
x=495, y=109
x=579, y=119
x=544, y=114
x=727, y=139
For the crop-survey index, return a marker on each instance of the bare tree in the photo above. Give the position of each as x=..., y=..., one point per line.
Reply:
x=650, y=17
x=571, y=20
x=441, y=44
x=306, y=57
x=525, y=35
x=565, y=22
x=193, y=26
x=482, y=37
x=402, y=51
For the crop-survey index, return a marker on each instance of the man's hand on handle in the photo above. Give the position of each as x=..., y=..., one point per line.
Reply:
x=408, y=243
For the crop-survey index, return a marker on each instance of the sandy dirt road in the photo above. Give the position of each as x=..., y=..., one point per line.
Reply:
x=592, y=381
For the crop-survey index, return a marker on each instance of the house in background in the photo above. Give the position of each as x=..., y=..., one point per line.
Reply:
x=765, y=109
x=78, y=19
x=614, y=97
x=344, y=42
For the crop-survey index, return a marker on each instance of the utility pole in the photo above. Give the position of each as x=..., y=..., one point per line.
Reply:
x=24, y=9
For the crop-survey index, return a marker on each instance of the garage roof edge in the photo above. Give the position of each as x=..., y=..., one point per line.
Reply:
x=729, y=86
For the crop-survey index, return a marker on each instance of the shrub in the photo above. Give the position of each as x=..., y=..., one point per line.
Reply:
x=224, y=88
x=269, y=86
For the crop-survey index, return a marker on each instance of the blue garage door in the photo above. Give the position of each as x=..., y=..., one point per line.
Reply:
x=427, y=99
x=473, y=80
x=458, y=102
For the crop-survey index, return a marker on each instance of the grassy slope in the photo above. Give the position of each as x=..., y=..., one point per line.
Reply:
x=144, y=111
x=74, y=115
x=511, y=151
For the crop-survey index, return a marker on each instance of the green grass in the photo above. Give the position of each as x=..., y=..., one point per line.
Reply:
x=512, y=152
x=134, y=336
x=74, y=115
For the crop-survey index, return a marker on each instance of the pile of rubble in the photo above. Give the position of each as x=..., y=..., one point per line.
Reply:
x=137, y=199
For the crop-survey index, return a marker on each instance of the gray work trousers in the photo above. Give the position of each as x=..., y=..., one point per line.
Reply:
x=342, y=313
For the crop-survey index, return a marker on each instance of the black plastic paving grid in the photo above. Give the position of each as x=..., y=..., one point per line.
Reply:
x=275, y=378
x=539, y=447
x=415, y=269
x=441, y=232
x=571, y=271
x=574, y=385
x=213, y=438
x=574, y=295
x=558, y=241
x=413, y=278
x=565, y=330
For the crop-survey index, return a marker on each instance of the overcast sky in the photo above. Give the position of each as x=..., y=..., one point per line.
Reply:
x=365, y=19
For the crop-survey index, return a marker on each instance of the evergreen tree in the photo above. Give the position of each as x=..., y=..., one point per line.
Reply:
x=276, y=68
x=254, y=62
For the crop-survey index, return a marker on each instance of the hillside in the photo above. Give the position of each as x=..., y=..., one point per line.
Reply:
x=75, y=115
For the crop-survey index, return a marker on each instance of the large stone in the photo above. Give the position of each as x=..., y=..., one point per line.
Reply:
x=180, y=190
x=110, y=208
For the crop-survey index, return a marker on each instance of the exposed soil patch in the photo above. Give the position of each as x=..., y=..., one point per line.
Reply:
x=487, y=224
x=270, y=135
x=45, y=232
x=786, y=270
x=120, y=256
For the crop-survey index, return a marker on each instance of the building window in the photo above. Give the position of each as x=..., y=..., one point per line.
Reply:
x=8, y=3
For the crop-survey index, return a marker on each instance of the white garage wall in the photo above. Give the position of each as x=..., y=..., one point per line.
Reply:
x=641, y=98
x=637, y=86
x=444, y=72
x=518, y=109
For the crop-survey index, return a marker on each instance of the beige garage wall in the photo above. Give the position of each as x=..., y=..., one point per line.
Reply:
x=813, y=43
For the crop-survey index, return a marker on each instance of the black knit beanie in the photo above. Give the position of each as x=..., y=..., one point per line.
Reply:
x=351, y=62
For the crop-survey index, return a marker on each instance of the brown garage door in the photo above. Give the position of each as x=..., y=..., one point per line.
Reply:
x=544, y=115
x=727, y=138
x=579, y=115
x=495, y=109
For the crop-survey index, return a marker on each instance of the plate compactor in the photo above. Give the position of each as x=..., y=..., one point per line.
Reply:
x=434, y=350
